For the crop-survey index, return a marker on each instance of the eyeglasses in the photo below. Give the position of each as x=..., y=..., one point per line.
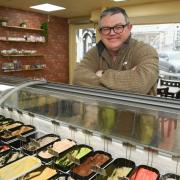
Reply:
x=117, y=29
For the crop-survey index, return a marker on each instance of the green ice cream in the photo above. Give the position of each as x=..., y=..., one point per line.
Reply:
x=77, y=153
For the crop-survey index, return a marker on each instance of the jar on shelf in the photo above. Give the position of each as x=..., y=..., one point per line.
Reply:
x=3, y=21
x=23, y=24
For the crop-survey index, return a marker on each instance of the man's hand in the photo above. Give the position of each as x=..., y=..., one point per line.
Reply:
x=99, y=73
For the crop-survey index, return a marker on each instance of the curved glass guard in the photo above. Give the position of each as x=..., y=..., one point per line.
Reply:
x=138, y=124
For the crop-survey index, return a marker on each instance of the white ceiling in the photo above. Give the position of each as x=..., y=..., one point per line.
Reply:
x=74, y=8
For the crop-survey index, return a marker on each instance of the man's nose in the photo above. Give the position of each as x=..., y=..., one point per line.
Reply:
x=112, y=32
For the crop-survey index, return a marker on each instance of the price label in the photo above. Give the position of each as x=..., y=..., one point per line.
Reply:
x=151, y=150
x=31, y=114
x=10, y=109
x=7, y=132
x=72, y=128
x=35, y=143
x=107, y=138
x=123, y=178
x=73, y=159
x=55, y=122
x=87, y=132
x=53, y=152
x=22, y=138
x=127, y=144
x=176, y=157
x=20, y=112
x=99, y=170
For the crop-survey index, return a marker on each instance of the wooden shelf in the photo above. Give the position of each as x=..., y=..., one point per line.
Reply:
x=22, y=41
x=22, y=55
x=23, y=28
x=15, y=70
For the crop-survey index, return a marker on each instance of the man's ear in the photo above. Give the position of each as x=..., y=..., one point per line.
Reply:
x=130, y=26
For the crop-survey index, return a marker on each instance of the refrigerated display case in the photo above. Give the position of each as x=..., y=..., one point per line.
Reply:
x=144, y=129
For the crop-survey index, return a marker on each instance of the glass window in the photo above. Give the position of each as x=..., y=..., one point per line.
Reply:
x=85, y=40
x=166, y=39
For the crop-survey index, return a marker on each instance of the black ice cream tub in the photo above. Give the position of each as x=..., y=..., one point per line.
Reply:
x=17, y=137
x=90, y=162
x=65, y=163
x=33, y=147
x=10, y=126
x=117, y=164
x=170, y=175
x=47, y=160
x=10, y=157
x=16, y=132
x=2, y=117
x=6, y=121
x=135, y=173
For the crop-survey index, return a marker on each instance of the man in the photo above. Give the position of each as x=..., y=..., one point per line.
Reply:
x=118, y=61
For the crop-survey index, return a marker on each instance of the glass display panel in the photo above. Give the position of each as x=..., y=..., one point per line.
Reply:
x=129, y=123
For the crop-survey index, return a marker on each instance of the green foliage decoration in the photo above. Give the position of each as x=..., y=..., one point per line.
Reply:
x=44, y=26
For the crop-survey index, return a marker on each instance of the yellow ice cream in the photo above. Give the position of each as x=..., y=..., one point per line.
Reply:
x=19, y=168
x=120, y=172
x=40, y=174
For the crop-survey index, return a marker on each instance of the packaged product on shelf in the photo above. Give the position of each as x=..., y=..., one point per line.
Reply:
x=3, y=38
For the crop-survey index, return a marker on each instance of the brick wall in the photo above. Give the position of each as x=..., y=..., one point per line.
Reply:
x=55, y=51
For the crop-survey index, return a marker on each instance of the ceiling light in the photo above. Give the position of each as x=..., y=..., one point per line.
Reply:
x=47, y=7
